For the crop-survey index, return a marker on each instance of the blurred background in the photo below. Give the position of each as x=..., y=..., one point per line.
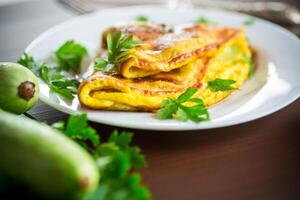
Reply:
x=23, y=20
x=2, y=2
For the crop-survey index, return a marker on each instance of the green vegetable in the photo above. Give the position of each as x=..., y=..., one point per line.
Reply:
x=115, y=159
x=69, y=56
x=249, y=22
x=52, y=76
x=77, y=128
x=29, y=62
x=249, y=59
x=142, y=18
x=175, y=108
x=19, y=88
x=221, y=85
x=117, y=47
x=44, y=159
x=204, y=20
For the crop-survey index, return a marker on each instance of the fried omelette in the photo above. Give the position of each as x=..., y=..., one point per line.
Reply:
x=168, y=62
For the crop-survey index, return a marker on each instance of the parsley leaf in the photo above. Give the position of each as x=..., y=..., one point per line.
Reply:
x=57, y=82
x=169, y=108
x=249, y=22
x=175, y=108
x=128, y=188
x=204, y=20
x=123, y=140
x=52, y=76
x=69, y=56
x=142, y=18
x=187, y=95
x=77, y=128
x=196, y=113
x=117, y=48
x=115, y=158
x=100, y=63
x=221, y=85
x=28, y=61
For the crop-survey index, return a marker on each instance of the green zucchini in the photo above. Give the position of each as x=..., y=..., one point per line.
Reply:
x=19, y=88
x=44, y=159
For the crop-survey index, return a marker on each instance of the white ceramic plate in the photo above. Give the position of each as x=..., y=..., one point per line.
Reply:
x=275, y=85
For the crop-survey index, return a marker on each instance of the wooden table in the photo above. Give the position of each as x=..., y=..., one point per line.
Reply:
x=256, y=160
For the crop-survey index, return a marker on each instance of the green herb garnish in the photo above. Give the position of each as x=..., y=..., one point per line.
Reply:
x=28, y=62
x=77, y=128
x=52, y=76
x=116, y=159
x=175, y=108
x=69, y=56
x=204, y=20
x=221, y=85
x=249, y=22
x=117, y=47
x=249, y=59
x=142, y=18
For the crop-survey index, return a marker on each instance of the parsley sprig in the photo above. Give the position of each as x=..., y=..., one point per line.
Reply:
x=69, y=56
x=117, y=48
x=175, y=108
x=78, y=129
x=52, y=76
x=68, y=59
x=205, y=20
x=116, y=159
x=142, y=18
x=221, y=85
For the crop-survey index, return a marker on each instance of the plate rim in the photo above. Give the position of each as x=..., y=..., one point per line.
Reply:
x=169, y=127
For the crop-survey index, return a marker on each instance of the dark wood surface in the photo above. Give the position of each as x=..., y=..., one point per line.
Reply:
x=256, y=160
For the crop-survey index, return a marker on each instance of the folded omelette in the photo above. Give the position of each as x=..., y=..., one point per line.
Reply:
x=168, y=62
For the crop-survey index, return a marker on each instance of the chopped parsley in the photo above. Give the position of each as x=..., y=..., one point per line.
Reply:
x=249, y=22
x=204, y=20
x=142, y=18
x=175, y=108
x=116, y=158
x=117, y=47
x=69, y=56
x=221, y=85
